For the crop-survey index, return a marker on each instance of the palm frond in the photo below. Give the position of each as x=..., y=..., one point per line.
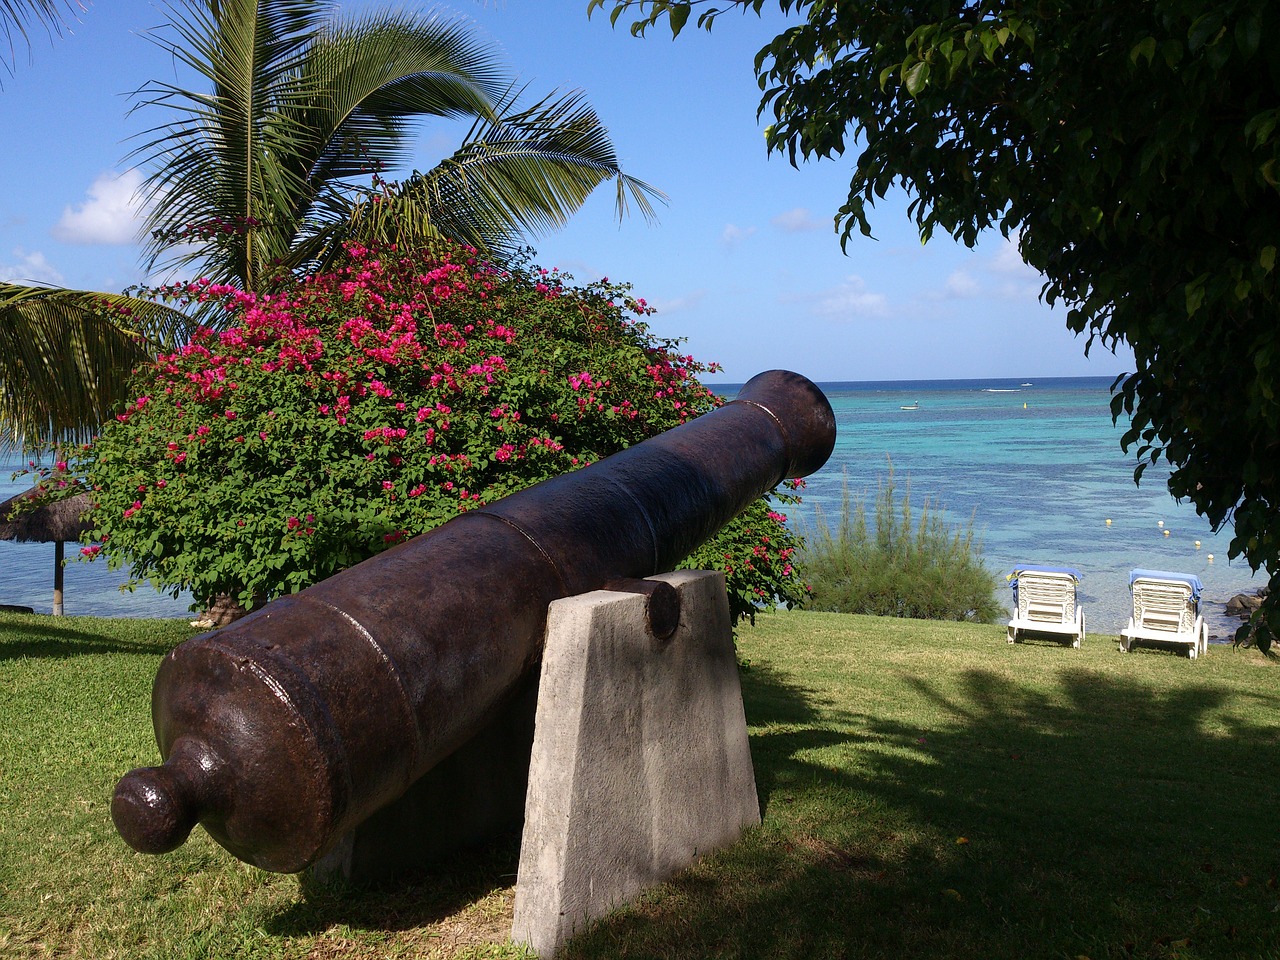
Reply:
x=17, y=15
x=65, y=357
x=525, y=173
x=212, y=171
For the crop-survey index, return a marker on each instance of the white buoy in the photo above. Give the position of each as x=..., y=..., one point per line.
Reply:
x=1211, y=558
x=1108, y=521
x=1159, y=523
x=1166, y=533
x=1197, y=544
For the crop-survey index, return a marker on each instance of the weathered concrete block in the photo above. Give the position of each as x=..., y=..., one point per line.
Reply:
x=640, y=756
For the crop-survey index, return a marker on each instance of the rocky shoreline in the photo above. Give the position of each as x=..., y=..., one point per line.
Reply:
x=1243, y=605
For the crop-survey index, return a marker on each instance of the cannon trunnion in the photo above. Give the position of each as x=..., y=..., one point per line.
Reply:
x=294, y=724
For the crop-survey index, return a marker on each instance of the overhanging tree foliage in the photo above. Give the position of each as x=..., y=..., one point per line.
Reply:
x=1131, y=146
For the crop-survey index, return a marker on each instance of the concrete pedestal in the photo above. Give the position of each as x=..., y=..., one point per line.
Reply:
x=640, y=756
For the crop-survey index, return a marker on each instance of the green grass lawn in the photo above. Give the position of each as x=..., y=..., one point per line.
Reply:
x=928, y=791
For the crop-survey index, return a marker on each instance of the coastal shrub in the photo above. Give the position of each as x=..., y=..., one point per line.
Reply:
x=898, y=566
x=365, y=405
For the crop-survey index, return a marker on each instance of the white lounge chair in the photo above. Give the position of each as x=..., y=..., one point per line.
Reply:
x=1166, y=612
x=1045, y=602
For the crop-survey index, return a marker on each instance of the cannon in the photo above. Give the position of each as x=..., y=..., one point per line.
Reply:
x=286, y=729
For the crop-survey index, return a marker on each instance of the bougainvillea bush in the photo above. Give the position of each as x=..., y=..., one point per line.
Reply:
x=369, y=404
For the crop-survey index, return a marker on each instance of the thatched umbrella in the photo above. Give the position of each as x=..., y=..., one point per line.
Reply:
x=51, y=522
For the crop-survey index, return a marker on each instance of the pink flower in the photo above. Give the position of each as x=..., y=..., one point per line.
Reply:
x=90, y=552
x=388, y=485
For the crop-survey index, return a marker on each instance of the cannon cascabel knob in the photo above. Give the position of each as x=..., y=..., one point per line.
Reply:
x=156, y=808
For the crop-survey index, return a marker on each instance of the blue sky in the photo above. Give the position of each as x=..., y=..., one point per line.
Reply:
x=744, y=262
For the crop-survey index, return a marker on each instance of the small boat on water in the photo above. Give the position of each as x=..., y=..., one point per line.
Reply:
x=914, y=406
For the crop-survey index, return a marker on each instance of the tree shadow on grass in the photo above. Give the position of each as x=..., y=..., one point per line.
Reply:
x=770, y=697
x=1107, y=818
x=24, y=636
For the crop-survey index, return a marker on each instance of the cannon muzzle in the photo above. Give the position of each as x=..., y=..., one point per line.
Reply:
x=292, y=725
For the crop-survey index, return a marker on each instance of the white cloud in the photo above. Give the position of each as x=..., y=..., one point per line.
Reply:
x=110, y=215
x=31, y=267
x=1017, y=280
x=1007, y=259
x=732, y=234
x=796, y=220
x=850, y=300
x=961, y=285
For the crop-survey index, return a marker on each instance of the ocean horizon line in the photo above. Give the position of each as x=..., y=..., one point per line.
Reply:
x=946, y=384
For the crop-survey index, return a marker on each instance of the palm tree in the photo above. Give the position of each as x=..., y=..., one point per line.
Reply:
x=260, y=175
x=306, y=106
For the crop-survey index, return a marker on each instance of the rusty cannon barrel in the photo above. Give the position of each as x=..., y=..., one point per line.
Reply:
x=291, y=726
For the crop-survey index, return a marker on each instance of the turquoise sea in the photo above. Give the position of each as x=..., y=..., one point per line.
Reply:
x=1035, y=463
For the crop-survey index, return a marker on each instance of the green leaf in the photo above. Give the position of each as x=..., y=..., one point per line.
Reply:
x=916, y=77
x=1145, y=48
x=1267, y=258
x=1205, y=29
x=1249, y=35
x=990, y=43
x=679, y=15
x=1172, y=51
x=1260, y=127
x=1195, y=293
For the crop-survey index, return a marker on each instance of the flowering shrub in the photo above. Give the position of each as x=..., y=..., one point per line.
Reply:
x=366, y=405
